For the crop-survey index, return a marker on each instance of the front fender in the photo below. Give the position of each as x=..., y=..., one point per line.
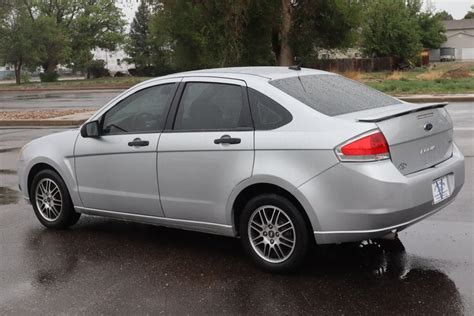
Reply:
x=55, y=150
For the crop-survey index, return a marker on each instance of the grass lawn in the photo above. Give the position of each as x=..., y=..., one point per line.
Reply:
x=439, y=78
x=415, y=86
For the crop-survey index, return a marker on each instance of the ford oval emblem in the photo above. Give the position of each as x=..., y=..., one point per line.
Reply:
x=428, y=126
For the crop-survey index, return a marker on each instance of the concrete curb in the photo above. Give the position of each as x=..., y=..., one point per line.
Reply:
x=437, y=98
x=4, y=123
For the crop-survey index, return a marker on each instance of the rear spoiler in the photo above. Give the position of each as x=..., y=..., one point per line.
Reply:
x=402, y=110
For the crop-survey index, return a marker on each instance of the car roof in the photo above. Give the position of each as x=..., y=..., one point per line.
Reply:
x=263, y=72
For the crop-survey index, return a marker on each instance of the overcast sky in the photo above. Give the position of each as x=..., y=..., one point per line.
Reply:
x=457, y=8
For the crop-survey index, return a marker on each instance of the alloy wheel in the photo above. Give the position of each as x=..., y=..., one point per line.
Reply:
x=48, y=199
x=272, y=234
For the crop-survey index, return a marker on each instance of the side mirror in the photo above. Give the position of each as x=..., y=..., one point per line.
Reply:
x=90, y=129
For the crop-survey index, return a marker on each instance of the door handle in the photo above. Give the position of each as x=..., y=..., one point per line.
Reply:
x=226, y=139
x=137, y=142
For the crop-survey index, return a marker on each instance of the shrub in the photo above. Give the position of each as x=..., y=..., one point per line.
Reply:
x=49, y=76
x=97, y=69
x=25, y=77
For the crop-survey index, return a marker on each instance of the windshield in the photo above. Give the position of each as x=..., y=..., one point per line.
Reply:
x=332, y=94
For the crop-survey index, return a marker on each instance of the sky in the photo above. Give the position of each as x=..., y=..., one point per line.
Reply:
x=457, y=8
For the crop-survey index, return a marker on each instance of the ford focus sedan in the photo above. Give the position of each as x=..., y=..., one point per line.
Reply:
x=279, y=157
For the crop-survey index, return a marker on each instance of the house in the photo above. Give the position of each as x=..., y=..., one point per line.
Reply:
x=115, y=61
x=6, y=72
x=339, y=53
x=460, y=37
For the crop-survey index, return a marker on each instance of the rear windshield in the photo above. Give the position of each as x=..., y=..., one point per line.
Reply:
x=332, y=94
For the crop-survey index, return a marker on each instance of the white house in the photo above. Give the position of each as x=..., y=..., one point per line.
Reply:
x=340, y=53
x=6, y=71
x=460, y=36
x=114, y=60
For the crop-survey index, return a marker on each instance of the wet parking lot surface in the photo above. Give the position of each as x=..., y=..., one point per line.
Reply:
x=37, y=100
x=107, y=266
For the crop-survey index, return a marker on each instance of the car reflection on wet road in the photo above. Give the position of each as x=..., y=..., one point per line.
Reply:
x=107, y=266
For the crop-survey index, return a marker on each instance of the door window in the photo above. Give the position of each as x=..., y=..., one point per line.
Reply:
x=143, y=111
x=208, y=106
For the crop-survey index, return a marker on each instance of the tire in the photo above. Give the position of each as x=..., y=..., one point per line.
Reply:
x=51, y=201
x=268, y=240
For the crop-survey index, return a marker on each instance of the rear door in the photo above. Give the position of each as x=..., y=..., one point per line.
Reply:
x=206, y=150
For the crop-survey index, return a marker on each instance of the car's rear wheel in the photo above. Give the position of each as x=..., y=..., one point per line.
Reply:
x=51, y=201
x=274, y=233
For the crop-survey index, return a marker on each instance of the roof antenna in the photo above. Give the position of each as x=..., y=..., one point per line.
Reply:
x=299, y=63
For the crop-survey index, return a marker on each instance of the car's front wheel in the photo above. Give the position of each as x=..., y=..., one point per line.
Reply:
x=274, y=233
x=51, y=201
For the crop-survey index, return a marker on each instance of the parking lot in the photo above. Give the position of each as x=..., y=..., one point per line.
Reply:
x=108, y=266
x=39, y=100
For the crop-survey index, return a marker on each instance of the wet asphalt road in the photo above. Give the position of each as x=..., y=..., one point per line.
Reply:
x=55, y=99
x=107, y=266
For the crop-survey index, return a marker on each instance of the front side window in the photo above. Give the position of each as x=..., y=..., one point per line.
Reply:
x=208, y=106
x=143, y=111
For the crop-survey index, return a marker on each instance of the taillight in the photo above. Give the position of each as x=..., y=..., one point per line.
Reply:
x=370, y=146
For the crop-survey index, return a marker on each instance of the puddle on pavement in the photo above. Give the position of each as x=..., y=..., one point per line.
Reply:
x=37, y=96
x=8, y=150
x=8, y=196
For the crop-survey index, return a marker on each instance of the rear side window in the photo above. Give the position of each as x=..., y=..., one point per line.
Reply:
x=332, y=94
x=208, y=106
x=267, y=114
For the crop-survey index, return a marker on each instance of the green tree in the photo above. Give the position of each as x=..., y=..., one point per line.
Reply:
x=98, y=24
x=212, y=33
x=444, y=16
x=432, y=31
x=200, y=34
x=324, y=24
x=260, y=43
x=139, y=44
x=470, y=13
x=19, y=39
x=391, y=29
x=73, y=28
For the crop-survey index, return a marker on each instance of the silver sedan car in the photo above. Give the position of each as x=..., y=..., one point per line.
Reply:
x=280, y=157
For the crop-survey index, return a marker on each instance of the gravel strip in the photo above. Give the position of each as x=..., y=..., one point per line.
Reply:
x=38, y=115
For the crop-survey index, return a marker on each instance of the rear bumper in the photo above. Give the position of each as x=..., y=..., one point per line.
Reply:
x=357, y=201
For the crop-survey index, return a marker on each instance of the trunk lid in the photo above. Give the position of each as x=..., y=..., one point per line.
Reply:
x=419, y=135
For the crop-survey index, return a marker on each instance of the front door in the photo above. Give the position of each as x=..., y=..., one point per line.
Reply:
x=117, y=171
x=207, y=150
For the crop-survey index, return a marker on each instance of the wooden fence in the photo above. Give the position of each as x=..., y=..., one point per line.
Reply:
x=356, y=64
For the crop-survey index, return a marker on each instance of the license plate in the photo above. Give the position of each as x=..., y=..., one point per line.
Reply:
x=440, y=189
